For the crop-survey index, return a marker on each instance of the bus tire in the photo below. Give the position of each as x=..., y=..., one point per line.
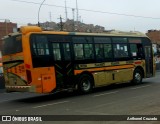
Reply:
x=137, y=76
x=85, y=84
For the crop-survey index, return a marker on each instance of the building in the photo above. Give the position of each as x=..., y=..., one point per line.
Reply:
x=6, y=28
x=46, y=25
x=154, y=35
x=71, y=26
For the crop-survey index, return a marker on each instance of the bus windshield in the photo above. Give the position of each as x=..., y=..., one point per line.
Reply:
x=12, y=45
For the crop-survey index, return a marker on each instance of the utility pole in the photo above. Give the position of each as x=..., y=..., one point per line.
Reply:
x=80, y=18
x=73, y=19
x=6, y=27
x=61, y=23
x=77, y=11
x=73, y=13
x=66, y=10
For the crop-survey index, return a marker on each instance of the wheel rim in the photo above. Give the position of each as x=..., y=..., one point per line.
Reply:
x=86, y=85
x=138, y=77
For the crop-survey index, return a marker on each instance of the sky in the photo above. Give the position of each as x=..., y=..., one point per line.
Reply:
x=125, y=15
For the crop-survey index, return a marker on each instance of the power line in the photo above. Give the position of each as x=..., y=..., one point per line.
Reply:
x=22, y=1
x=95, y=11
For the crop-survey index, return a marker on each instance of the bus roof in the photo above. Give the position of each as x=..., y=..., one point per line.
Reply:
x=36, y=29
x=113, y=33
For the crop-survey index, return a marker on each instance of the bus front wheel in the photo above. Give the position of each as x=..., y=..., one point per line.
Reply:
x=137, y=77
x=85, y=84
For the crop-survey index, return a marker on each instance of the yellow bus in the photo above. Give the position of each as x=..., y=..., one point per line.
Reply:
x=47, y=61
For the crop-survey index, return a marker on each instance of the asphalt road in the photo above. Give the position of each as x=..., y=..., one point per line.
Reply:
x=121, y=99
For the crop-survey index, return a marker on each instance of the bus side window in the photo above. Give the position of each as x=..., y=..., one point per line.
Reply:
x=56, y=51
x=40, y=45
x=103, y=48
x=120, y=50
x=78, y=50
x=133, y=50
x=108, y=51
x=88, y=50
x=67, y=52
x=99, y=51
x=136, y=50
x=140, y=51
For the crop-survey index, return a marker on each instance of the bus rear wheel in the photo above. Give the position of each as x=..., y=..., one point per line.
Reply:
x=85, y=84
x=137, y=77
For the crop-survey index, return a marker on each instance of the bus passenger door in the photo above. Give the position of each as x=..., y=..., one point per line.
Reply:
x=148, y=61
x=63, y=64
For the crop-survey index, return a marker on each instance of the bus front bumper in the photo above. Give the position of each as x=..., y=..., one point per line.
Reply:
x=20, y=88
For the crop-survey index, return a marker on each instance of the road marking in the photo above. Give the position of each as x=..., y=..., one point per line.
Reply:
x=50, y=104
x=140, y=87
x=106, y=94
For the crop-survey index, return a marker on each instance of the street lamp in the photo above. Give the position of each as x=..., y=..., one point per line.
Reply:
x=39, y=12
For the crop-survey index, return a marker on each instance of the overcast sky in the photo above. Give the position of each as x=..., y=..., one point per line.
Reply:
x=22, y=13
